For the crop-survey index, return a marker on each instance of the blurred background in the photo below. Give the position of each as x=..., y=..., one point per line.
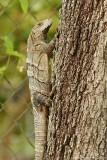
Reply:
x=17, y=17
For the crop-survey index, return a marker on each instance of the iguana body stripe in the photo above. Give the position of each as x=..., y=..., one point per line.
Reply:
x=30, y=74
x=33, y=65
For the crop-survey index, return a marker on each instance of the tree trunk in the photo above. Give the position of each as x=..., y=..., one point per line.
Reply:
x=78, y=117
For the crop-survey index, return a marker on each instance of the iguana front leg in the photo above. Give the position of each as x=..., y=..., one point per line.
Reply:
x=46, y=47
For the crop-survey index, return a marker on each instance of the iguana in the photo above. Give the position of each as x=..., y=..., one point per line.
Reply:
x=38, y=70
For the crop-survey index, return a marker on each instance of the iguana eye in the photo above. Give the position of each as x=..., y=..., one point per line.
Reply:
x=39, y=24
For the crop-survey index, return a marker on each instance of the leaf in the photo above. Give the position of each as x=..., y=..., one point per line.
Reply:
x=24, y=5
x=8, y=44
x=10, y=48
x=2, y=69
x=20, y=55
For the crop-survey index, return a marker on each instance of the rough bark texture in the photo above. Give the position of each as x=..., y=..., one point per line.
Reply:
x=78, y=119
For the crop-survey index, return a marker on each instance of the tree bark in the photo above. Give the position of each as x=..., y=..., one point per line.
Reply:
x=78, y=117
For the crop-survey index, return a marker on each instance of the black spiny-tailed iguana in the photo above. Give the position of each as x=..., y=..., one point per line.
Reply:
x=38, y=70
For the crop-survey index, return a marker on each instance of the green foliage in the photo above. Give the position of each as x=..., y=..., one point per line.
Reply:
x=10, y=48
x=17, y=17
x=2, y=69
x=24, y=5
x=8, y=44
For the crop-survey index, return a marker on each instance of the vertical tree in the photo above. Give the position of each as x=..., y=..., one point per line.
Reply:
x=78, y=117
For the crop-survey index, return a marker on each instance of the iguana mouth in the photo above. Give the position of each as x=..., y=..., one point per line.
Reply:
x=49, y=23
x=45, y=31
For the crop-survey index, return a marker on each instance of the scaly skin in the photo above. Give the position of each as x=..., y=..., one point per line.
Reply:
x=38, y=70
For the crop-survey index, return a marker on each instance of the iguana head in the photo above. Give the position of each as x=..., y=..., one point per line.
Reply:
x=40, y=30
